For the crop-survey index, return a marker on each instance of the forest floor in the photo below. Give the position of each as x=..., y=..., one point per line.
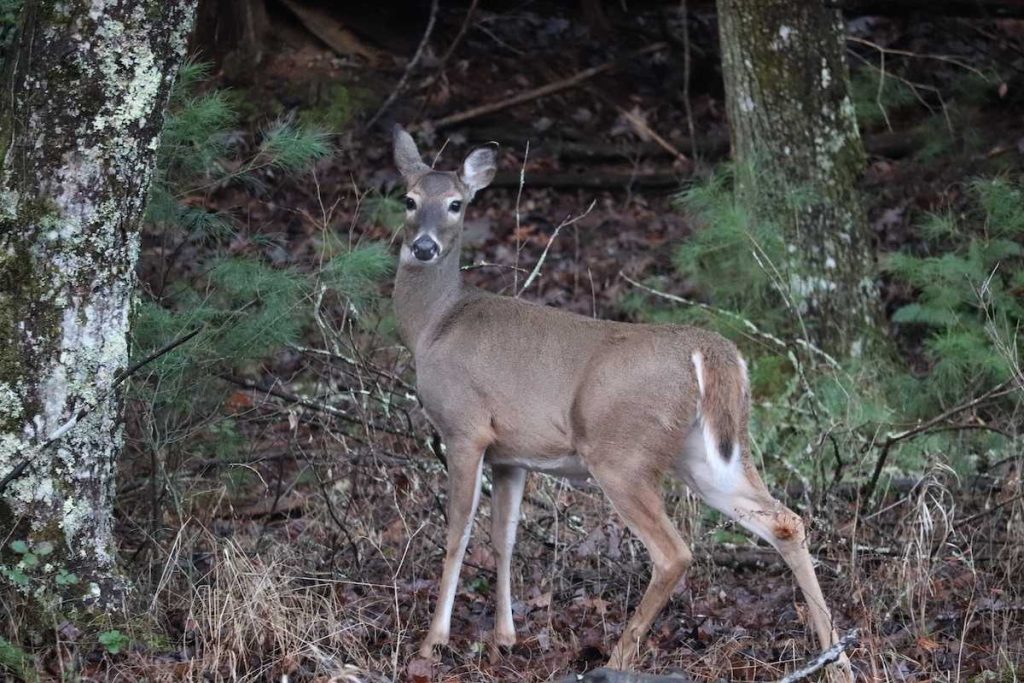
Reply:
x=314, y=552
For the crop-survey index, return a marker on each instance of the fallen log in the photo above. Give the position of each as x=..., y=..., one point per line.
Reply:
x=591, y=180
x=535, y=93
x=980, y=9
x=710, y=146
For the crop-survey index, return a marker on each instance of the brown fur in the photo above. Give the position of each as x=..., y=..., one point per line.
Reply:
x=522, y=387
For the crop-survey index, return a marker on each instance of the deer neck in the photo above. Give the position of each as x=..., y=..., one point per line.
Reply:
x=423, y=292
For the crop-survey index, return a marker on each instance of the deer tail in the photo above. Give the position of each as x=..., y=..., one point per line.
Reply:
x=722, y=403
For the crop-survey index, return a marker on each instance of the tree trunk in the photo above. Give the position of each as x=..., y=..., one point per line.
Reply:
x=84, y=97
x=799, y=155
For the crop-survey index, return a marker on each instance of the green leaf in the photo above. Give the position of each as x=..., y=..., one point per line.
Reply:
x=357, y=273
x=20, y=547
x=44, y=548
x=65, y=578
x=29, y=560
x=113, y=641
x=16, y=576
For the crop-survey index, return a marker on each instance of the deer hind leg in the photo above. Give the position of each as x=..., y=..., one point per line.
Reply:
x=508, y=495
x=639, y=502
x=737, y=491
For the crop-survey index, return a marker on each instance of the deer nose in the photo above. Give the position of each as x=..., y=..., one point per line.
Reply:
x=424, y=248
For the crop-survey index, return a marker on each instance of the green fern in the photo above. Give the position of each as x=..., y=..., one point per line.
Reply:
x=968, y=293
x=726, y=255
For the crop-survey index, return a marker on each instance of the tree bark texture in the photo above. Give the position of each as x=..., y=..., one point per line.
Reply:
x=799, y=155
x=82, y=108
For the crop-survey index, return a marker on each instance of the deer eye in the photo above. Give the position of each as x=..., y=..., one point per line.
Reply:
x=410, y=203
x=455, y=206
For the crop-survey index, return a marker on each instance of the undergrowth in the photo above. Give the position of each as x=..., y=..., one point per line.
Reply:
x=244, y=308
x=966, y=279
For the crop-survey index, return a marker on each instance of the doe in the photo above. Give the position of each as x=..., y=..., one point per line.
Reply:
x=524, y=387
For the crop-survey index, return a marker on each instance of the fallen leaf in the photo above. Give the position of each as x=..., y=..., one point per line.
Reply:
x=542, y=601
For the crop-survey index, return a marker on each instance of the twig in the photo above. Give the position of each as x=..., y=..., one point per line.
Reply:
x=306, y=402
x=458, y=36
x=408, y=67
x=20, y=468
x=907, y=53
x=747, y=324
x=488, y=264
x=824, y=659
x=544, y=255
x=996, y=391
x=640, y=126
x=547, y=89
x=162, y=351
x=357, y=364
x=687, y=105
x=998, y=506
x=592, y=179
x=519, y=198
x=606, y=675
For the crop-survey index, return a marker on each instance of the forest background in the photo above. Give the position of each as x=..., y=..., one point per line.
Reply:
x=279, y=505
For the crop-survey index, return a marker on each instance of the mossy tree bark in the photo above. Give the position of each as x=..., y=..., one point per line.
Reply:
x=83, y=102
x=799, y=155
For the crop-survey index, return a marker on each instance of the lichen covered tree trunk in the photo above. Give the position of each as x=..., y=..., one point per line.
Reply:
x=799, y=155
x=83, y=101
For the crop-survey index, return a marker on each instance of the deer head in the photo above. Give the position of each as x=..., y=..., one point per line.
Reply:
x=435, y=201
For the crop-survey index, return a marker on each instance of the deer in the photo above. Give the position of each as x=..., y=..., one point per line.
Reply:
x=522, y=387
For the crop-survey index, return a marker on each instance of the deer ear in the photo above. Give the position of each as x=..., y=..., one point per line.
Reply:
x=479, y=168
x=407, y=157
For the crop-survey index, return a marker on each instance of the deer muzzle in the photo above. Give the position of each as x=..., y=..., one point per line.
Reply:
x=424, y=248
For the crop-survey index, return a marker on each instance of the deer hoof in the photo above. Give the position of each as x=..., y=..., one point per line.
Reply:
x=504, y=638
x=432, y=640
x=622, y=657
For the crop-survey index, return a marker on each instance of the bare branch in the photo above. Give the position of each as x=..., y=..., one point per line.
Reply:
x=546, y=89
x=408, y=67
x=1002, y=389
x=824, y=659
x=544, y=255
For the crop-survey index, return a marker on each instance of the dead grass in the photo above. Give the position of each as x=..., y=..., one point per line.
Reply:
x=289, y=596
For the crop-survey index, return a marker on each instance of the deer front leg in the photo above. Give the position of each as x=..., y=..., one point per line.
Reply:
x=508, y=495
x=465, y=461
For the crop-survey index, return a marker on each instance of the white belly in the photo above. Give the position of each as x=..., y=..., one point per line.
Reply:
x=571, y=466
